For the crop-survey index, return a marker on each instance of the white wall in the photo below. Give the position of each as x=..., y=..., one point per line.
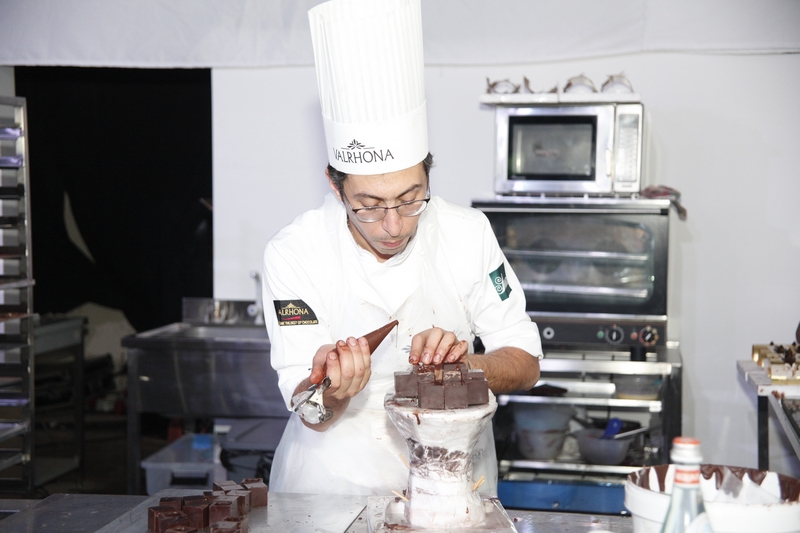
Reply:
x=722, y=130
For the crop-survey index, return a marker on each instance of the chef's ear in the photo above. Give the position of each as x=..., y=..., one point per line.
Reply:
x=333, y=186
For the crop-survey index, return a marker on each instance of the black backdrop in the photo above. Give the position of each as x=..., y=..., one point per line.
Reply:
x=132, y=149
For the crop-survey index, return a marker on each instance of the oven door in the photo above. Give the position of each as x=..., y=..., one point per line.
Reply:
x=588, y=256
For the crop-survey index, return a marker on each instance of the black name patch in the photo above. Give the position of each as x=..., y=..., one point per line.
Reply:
x=294, y=313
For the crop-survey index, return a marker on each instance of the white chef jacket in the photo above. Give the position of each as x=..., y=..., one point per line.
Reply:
x=317, y=285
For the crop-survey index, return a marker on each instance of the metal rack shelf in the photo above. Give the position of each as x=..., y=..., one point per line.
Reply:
x=558, y=466
x=653, y=406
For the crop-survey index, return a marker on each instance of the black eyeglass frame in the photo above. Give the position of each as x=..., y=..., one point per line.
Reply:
x=379, y=208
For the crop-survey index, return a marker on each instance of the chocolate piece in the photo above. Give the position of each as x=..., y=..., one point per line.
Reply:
x=431, y=395
x=164, y=521
x=456, y=395
x=405, y=384
x=197, y=513
x=220, y=509
x=259, y=493
x=252, y=480
x=194, y=500
x=242, y=500
x=224, y=527
x=477, y=391
x=452, y=376
x=182, y=529
x=212, y=495
x=243, y=521
x=153, y=512
x=224, y=485
x=176, y=502
x=229, y=488
x=461, y=367
x=375, y=338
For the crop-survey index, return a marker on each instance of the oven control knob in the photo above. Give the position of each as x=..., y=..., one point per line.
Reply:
x=548, y=333
x=648, y=336
x=614, y=335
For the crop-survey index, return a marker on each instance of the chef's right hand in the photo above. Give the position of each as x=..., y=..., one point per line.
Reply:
x=347, y=363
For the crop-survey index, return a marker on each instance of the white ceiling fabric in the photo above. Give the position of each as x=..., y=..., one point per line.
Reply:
x=265, y=33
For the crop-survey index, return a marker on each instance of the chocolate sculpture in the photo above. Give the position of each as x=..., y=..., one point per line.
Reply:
x=445, y=386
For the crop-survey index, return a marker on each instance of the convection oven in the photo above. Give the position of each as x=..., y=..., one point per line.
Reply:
x=594, y=272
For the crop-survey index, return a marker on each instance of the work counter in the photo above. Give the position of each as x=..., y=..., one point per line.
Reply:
x=288, y=513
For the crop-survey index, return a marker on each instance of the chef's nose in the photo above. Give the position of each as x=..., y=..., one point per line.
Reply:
x=393, y=223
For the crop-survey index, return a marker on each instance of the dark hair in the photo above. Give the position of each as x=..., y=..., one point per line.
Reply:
x=338, y=176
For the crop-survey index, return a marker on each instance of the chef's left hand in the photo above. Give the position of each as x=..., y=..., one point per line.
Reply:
x=435, y=346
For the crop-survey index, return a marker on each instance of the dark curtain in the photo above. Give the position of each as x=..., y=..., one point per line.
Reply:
x=132, y=149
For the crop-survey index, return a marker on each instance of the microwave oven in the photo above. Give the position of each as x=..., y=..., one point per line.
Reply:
x=573, y=148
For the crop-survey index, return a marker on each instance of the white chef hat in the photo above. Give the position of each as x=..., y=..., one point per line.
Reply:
x=368, y=55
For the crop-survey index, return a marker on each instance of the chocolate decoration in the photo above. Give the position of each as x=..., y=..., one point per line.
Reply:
x=153, y=512
x=182, y=529
x=242, y=521
x=477, y=392
x=406, y=385
x=224, y=527
x=375, y=338
x=456, y=395
x=194, y=500
x=259, y=493
x=220, y=509
x=197, y=515
x=242, y=500
x=431, y=395
x=247, y=480
x=227, y=484
x=176, y=502
x=165, y=521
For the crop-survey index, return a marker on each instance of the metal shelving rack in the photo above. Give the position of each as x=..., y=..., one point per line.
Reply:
x=600, y=395
x=16, y=304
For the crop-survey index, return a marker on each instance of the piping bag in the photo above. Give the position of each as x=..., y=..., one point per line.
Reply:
x=308, y=404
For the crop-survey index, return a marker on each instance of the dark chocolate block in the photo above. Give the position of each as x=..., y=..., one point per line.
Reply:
x=224, y=527
x=182, y=529
x=431, y=395
x=197, y=513
x=456, y=395
x=252, y=480
x=242, y=500
x=227, y=484
x=243, y=521
x=153, y=512
x=452, y=376
x=164, y=521
x=259, y=493
x=194, y=500
x=220, y=509
x=461, y=367
x=176, y=502
x=478, y=391
x=475, y=374
x=405, y=384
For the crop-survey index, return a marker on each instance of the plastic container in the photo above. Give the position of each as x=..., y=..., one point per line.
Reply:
x=541, y=429
x=750, y=512
x=638, y=387
x=600, y=451
x=191, y=462
x=540, y=445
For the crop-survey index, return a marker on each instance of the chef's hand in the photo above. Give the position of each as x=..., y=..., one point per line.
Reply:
x=347, y=363
x=434, y=346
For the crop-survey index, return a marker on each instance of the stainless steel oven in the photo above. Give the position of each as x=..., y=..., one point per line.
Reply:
x=594, y=269
x=594, y=272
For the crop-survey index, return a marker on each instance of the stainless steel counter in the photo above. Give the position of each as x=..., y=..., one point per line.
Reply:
x=87, y=513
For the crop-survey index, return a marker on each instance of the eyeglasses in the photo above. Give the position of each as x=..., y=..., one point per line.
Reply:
x=378, y=213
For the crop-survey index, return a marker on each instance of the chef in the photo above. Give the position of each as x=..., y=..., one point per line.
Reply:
x=381, y=247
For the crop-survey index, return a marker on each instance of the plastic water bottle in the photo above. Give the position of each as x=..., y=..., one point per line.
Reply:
x=686, y=513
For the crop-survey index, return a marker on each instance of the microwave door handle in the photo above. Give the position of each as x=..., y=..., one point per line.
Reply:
x=609, y=162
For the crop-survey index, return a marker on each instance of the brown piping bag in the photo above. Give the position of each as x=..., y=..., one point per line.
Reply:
x=375, y=338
